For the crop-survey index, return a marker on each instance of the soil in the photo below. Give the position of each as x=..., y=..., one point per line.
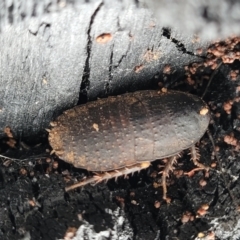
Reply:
x=202, y=205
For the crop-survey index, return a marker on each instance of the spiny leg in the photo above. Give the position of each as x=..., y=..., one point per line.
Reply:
x=168, y=167
x=99, y=177
x=195, y=157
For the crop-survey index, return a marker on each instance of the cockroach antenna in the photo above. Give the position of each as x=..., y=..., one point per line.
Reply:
x=221, y=172
x=211, y=78
x=212, y=141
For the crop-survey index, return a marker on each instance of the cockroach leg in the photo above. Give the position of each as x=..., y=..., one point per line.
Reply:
x=105, y=176
x=192, y=172
x=52, y=152
x=195, y=157
x=165, y=173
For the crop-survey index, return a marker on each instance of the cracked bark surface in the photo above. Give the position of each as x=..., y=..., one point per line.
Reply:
x=53, y=61
x=54, y=56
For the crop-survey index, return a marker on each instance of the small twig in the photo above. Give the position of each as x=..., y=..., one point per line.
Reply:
x=25, y=159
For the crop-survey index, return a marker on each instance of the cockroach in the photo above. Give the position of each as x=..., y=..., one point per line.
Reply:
x=122, y=134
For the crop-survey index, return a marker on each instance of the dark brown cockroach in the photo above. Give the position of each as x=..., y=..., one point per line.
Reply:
x=122, y=134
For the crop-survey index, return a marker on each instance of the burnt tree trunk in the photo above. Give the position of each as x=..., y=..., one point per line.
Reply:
x=56, y=55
